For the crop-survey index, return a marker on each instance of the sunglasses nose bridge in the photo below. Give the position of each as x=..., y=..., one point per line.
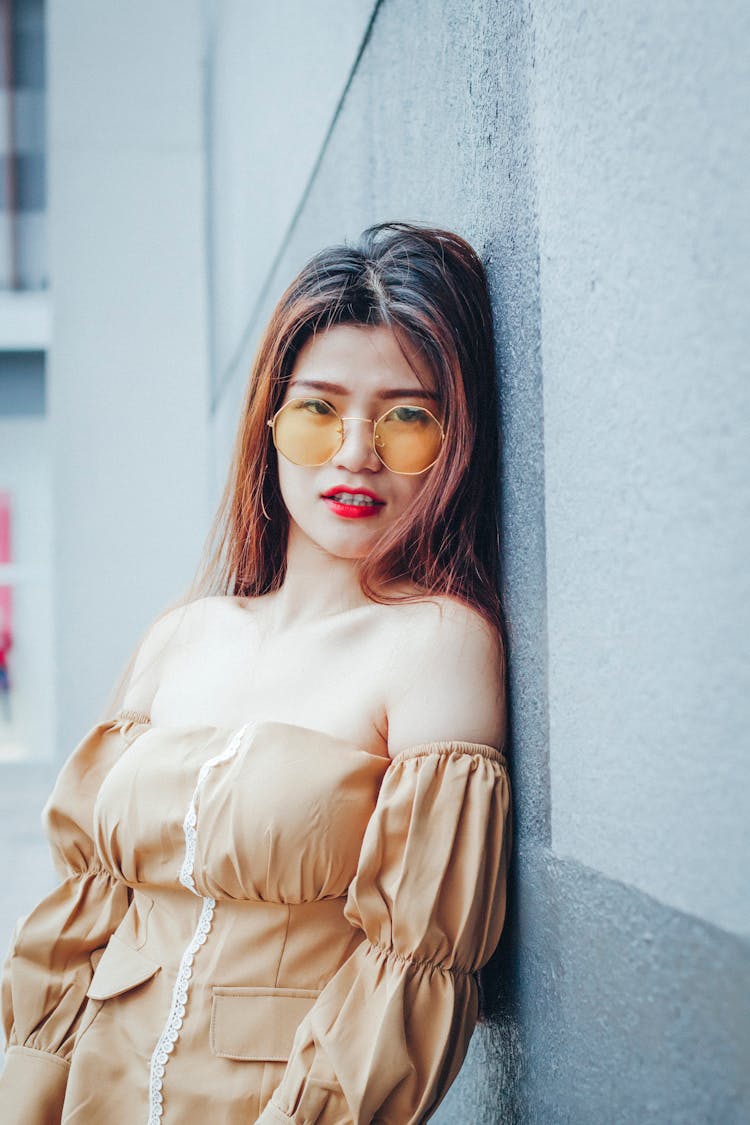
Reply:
x=356, y=418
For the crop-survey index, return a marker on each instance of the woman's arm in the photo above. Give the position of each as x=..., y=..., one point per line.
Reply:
x=145, y=669
x=48, y=967
x=448, y=678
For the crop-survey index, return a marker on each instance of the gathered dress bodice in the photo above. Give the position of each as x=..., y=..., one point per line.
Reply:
x=258, y=923
x=280, y=819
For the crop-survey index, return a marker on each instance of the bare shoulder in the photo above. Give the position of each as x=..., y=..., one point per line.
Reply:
x=447, y=628
x=182, y=624
x=176, y=625
x=447, y=680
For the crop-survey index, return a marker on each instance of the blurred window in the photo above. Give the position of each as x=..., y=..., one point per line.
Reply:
x=22, y=383
x=23, y=256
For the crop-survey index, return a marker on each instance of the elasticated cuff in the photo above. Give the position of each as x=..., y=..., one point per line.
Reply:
x=32, y=1087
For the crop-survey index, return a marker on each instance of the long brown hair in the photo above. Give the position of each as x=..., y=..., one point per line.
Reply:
x=427, y=285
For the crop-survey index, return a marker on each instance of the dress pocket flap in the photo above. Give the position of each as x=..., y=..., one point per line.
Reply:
x=119, y=968
x=257, y=1024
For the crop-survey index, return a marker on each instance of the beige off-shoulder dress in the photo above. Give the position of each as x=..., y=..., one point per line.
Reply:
x=255, y=924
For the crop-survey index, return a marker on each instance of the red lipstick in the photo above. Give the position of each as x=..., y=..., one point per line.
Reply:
x=356, y=510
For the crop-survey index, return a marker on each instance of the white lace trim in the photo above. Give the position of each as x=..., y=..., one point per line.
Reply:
x=190, y=823
x=169, y=1036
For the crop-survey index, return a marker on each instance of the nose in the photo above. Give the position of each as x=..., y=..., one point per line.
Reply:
x=357, y=450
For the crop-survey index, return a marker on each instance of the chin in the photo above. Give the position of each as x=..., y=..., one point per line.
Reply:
x=342, y=543
x=347, y=550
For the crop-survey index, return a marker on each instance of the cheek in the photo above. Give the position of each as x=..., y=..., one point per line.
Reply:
x=409, y=488
x=292, y=483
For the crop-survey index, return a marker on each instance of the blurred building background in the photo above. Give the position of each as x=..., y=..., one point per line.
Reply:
x=166, y=169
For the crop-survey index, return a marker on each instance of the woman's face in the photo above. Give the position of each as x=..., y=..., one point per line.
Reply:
x=360, y=371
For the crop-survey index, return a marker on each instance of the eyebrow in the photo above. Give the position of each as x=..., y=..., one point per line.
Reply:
x=336, y=388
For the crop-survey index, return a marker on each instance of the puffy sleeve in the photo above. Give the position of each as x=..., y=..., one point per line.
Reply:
x=389, y=1032
x=48, y=968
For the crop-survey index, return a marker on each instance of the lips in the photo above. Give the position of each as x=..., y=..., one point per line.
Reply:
x=353, y=510
x=353, y=491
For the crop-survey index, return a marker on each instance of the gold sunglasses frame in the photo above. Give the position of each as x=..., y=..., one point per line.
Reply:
x=354, y=418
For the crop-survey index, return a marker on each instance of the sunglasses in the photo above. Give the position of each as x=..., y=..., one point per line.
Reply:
x=309, y=432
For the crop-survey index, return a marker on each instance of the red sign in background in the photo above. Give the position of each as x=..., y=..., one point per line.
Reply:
x=6, y=594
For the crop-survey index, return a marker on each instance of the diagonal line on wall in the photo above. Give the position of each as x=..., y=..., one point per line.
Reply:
x=240, y=350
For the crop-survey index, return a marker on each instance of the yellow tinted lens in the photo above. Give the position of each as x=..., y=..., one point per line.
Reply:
x=307, y=431
x=408, y=439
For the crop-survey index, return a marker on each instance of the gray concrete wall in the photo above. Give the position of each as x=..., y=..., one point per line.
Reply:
x=644, y=251
x=591, y=154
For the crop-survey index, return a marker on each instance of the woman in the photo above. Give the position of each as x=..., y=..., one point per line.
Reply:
x=284, y=853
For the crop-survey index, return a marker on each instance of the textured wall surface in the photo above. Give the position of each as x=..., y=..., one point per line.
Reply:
x=645, y=265
x=591, y=157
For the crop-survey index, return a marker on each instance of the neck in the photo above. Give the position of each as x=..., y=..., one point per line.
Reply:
x=316, y=584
